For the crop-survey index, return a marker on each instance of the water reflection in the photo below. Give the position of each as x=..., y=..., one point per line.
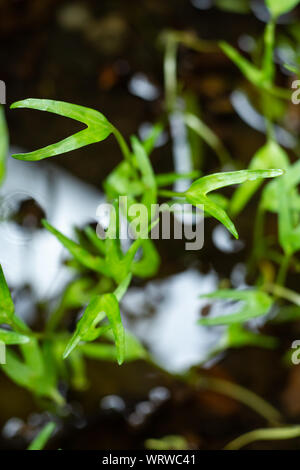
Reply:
x=164, y=314
x=140, y=85
x=35, y=257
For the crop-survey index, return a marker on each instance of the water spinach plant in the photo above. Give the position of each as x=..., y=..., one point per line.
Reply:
x=39, y=360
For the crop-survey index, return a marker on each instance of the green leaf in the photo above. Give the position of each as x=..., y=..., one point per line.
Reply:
x=98, y=127
x=3, y=144
x=148, y=177
x=252, y=73
x=7, y=307
x=260, y=78
x=150, y=142
x=148, y=264
x=256, y=304
x=10, y=337
x=120, y=182
x=77, y=363
x=280, y=7
x=97, y=242
x=95, y=263
x=268, y=58
x=106, y=352
x=88, y=328
x=221, y=180
x=196, y=194
x=289, y=232
x=209, y=137
x=43, y=437
x=271, y=155
x=122, y=288
x=75, y=295
x=34, y=373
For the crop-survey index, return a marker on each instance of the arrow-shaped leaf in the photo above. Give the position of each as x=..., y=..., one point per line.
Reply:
x=88, y=329
x=196, y=194
x=98, y=127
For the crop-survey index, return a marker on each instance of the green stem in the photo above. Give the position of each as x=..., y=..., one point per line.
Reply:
x=20, y=327
x=283, y=270
x=170, y=72
x=167, y=193
x=122, y=144
x=232, y=390
x=268, y=60
x=241, y=394
x=283, y=292
x=55, y=318
x=289, y=432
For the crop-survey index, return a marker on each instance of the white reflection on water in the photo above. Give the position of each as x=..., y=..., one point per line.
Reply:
x=140, y=85
x=171, y=332
x=67, y=202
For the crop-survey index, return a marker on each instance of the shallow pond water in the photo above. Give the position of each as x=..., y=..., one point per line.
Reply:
x=107, y=55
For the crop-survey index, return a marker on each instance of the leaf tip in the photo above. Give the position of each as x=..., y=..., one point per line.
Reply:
x=71, y=346
x=14, y=105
